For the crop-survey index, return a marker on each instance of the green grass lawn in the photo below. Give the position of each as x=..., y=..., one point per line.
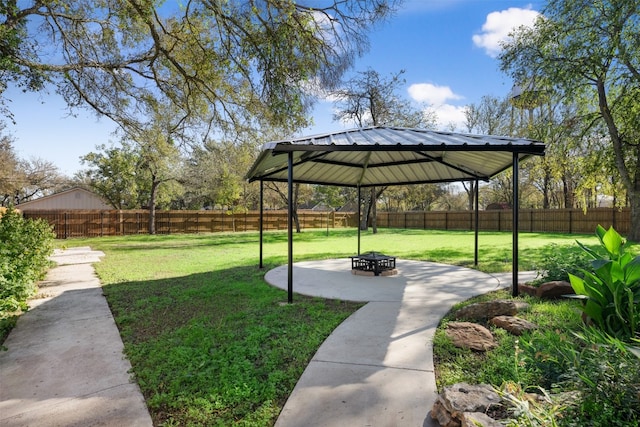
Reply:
x=212, y=344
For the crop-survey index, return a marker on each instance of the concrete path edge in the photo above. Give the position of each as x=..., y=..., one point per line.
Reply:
x=64, y=364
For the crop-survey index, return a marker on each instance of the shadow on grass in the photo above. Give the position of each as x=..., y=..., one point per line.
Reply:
x=218, y=347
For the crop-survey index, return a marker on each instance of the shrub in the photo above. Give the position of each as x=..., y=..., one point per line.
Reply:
x=607, y=374
x=24, y=249
x=559, y=262
x=612, y=288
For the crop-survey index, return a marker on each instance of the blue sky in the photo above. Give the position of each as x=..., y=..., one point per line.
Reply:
x=446, y=47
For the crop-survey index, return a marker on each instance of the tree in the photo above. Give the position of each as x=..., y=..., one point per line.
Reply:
x=20, y=179
x=112, y=174
x=215, y=175
x=301, y=194
x=237, y=63
x=136, y=173
x=158, y=163
x=491, y=116
x=590, y=50
x=371, y=100
x=563, y=169
x=10, y=180
x=40, y=178
x=415, y=197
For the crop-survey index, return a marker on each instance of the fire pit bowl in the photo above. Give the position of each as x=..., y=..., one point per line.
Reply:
x=373, y=264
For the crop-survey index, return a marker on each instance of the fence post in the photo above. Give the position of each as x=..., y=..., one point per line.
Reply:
x=613, y=218
x=570, y=221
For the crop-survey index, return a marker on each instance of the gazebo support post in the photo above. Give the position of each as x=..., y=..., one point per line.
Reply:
x=359, y=220
x=260, y=225
x=290, y=231
x=475, y=254
x=515, y=210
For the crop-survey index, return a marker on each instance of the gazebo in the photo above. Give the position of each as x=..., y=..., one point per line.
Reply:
x=381, y=156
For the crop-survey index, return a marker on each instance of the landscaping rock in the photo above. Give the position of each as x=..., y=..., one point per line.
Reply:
x=489, y=309
x=457, y=402
x=554, y=289
x=470, y=335
x=478, y=419
x=443, y=416
x=527, y=289
x=514, y=325
x=521, y=306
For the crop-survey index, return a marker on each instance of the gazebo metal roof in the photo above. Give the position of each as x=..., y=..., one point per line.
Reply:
x=376, y=156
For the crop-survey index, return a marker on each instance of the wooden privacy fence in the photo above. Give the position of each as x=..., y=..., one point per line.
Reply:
x=110, y=223
x=531, y=220
x=94, y=223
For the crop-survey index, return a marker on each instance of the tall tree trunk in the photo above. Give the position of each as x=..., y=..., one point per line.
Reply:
x=634, y=231
x=296, y=219
x=630, y=175
x=364, y=221
x=370, y=210
x=152, y=205
x=471, y=193
x=374, y=210
x=546, y=188
x=568, y=203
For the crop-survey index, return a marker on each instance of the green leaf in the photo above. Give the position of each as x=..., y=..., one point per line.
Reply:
x=588, y=250
x=595, y=289
x=632, y=271
x=577, y=284
x=595, y=293
x=614, y=270
x=625, y=259
x=602, y=268
x=594, y=311
x=612, y=242
x=633, y=318
x=600, y=232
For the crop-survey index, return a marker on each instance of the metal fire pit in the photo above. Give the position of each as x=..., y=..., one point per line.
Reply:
x=373, y=262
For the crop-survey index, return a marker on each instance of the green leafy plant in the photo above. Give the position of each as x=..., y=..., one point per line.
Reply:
x=560, y=261
x=606, y=372
x=612, y=289
x=531, y=409
x=24, y=249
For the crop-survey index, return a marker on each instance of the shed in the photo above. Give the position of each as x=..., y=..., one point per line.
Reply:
x=75, y=198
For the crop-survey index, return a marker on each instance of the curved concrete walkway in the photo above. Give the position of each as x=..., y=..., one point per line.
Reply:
x=64, y=364
x=376, y=368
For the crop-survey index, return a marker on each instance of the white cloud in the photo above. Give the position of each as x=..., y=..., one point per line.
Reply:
x=450, y=117
x=435, y=97
x=498, y=26
x=431, y=94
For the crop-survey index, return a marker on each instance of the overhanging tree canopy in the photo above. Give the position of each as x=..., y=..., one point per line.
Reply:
x=392, y=156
